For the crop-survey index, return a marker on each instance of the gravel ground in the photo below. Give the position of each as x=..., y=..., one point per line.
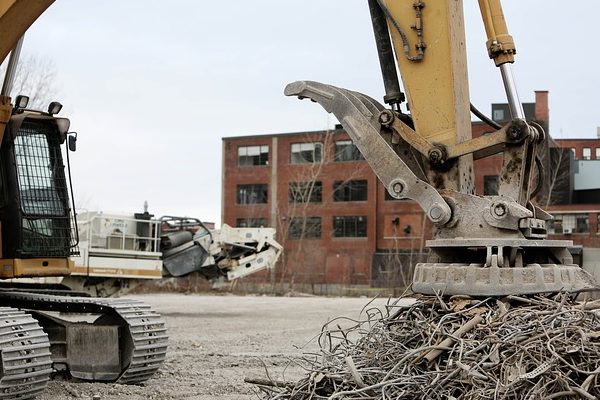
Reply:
x=217, y=341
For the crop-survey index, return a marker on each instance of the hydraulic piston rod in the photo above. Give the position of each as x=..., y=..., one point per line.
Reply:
x=11, y=69
x=393, y=94
x=514, y=103
x=501, y=48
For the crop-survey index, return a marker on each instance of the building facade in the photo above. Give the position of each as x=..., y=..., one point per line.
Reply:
x=338, y=225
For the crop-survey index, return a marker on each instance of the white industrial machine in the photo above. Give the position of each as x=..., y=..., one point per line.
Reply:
x=117, y=252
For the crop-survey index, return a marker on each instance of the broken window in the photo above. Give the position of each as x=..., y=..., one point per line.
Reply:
x=354, y=226
x=306, y=153
x=251, y=222
x=305, y=192
x=346, y=150
x=253, y=155
x=252, y=194
x=353, y=190
x=491, y=185
x=305, y=228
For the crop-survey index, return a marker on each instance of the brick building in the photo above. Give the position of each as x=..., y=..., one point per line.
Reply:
x=339, y=227
x=577, y=209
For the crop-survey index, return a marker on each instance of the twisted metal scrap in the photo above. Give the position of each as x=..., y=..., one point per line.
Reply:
x=457, y=348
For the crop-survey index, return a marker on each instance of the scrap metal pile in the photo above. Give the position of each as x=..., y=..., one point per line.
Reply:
x=457, y=348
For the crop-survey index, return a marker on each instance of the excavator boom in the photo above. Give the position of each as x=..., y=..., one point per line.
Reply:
x=16, y=16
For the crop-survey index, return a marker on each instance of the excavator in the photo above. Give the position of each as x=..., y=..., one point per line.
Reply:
x=490, y=251
x=115, y=339
x=46, y=328
x=482, y=245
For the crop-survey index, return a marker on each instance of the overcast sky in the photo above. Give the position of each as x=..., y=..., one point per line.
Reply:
x=152, y=86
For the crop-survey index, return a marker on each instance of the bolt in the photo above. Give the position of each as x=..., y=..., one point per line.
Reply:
x=386, y=118
x=514, y=133
x=518, y=130
x=436, y=212
x=500, y=209
x=398, y=188
x=436, y=156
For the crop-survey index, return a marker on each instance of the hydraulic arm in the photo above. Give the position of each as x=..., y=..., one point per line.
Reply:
x=16, y=16
x=482, y=245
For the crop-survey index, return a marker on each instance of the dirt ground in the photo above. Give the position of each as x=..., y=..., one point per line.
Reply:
x=216, y=341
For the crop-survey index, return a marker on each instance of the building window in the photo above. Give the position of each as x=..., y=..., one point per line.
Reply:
x=597, y=153
x=355, y=190
x=569, y=223
x=555, y=225
x=582, y=223
x=307, y=153
x=574, y=151
x=251, y=222
x=350, y=226
x=346, y=150
x=587, y=153
x=253, y=155
x=305, y=192
x=252, y=194
x=305, y=228
x=491, y=185
x=498, y=115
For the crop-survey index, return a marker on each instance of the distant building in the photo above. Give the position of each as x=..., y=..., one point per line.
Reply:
x=576, y=217
x=341, y=229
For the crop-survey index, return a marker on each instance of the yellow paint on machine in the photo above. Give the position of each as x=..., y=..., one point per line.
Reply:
x=111, y=272
x=437, y=86
x=34, y=267
x=436, y=82
x=16, y=16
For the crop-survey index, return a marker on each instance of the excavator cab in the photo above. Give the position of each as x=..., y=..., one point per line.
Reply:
x=35, y=206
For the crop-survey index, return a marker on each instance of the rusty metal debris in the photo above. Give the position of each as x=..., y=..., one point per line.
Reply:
x=455, y=348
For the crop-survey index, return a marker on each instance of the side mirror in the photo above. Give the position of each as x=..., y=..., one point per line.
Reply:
x=72, y=138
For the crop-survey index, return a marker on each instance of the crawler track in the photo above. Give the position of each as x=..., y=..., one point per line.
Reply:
x=149, y=336
x=26, y=363
x=145, y=328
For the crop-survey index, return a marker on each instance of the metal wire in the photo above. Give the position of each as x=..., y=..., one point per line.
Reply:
x=458, y=348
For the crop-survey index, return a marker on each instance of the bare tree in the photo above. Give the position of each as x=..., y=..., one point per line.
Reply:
x=35, y=78
x=300, y=224
x=394, y=267
x=556, y=176
x=303, y=189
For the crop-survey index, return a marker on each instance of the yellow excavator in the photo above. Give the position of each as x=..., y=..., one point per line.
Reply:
x=119, y=340
x=485, y=249
x=113, y=340
x=482, y=245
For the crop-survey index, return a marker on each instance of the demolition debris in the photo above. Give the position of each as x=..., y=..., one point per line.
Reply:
x=457, y=348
